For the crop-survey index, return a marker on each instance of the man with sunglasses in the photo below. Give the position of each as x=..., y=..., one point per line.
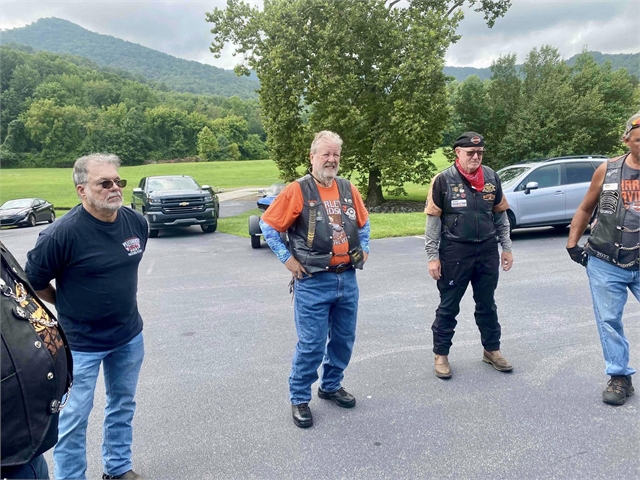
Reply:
x=466, y=219
x=93, y=253
x=611, y=255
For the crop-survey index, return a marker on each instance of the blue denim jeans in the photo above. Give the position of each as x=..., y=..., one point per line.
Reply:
x=121, y=368
x=36, y=468
x=609, y=285
x=325, y=314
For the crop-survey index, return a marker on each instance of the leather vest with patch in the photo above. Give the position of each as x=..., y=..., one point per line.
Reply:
x=467, y=215
x=33, y=380
x=605, y=239
x=314, y=249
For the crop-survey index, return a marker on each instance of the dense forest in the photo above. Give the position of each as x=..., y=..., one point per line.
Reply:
x=55, y=108
x=60, y=36
x=629, y=61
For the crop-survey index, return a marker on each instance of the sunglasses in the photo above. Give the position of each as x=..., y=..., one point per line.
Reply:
x=471, y=153
x=107, y=184
x=634, y=124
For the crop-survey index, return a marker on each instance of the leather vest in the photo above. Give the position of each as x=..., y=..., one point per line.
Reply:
x=467, y=215
x=605, y=239
x=311, y=235
x=32, y=386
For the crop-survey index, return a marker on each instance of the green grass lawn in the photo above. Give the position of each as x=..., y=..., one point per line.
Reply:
x=55, y=185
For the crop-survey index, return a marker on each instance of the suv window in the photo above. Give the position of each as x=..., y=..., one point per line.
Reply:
x=547, y=176
x=578, y=172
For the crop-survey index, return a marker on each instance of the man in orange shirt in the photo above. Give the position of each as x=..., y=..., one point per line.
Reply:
x=328, y=228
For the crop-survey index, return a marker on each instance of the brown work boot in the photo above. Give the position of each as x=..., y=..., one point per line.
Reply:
x=618, y=389
x=496, y=359
x=441, y=367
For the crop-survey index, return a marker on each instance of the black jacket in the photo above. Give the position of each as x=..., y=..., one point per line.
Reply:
x=33, y=382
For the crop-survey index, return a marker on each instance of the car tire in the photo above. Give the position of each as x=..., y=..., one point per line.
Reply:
x=254, y=231
x=31, y=221
x=52, y=217
x=512, y=220
x=209, y=228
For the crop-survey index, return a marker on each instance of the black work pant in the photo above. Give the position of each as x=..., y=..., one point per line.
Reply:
x=461, y=263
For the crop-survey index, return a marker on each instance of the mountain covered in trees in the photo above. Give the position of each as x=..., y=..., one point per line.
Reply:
x=55, y=108
x=630, y=61
x=61, y=36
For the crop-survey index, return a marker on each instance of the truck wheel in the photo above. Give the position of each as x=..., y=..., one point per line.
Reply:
x=153, y=233
x=209, y=228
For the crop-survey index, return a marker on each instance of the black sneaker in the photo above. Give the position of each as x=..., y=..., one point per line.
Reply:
x=340, y=397
x=302, y=415
x=618, y=389
x=130, y=475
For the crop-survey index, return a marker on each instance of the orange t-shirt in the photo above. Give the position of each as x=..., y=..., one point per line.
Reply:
x=287, y=207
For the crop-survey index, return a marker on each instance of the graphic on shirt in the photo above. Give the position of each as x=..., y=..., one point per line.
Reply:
x=631, y=194
x=132, y=245
x=489, y=188
x=335, y=220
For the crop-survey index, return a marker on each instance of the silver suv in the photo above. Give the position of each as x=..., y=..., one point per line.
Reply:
x=547, y=192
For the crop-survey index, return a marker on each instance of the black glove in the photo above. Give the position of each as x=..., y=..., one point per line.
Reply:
x=578, y=255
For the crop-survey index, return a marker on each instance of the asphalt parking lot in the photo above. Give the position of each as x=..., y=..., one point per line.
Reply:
x=219, y=335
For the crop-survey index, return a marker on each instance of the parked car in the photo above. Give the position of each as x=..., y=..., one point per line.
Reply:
x=267, y=197
x=26, y=212
x=547, y=192
x=176, y=201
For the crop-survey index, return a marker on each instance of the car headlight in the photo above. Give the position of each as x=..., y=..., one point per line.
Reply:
x=155, y=200
x=207, y=197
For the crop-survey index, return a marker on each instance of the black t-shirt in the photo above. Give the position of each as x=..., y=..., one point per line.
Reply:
x=95, y=265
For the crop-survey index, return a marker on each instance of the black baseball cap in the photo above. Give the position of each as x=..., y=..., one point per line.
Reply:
x=469, y=139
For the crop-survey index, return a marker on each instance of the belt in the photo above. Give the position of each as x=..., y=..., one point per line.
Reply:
x=341, y=268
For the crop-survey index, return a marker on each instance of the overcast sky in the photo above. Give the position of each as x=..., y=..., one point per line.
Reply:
x=179, y=27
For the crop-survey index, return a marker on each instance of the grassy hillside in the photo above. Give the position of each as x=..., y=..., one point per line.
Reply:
x=61, y=36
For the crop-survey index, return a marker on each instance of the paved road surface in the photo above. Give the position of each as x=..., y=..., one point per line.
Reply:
x=219, y=334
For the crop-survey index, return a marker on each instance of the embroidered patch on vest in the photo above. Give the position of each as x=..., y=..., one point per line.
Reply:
x=458, y=203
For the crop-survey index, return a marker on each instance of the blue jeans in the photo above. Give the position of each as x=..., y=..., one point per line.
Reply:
x=609, y=285
x=325, y=313
x=121, y=368
x=36, y=468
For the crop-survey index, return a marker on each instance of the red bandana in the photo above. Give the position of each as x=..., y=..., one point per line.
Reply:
x=476, y=179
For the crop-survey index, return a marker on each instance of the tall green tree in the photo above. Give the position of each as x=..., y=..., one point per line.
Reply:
x=370, y=70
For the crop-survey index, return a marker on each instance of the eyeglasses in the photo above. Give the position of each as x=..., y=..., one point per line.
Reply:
x=634, y=124
x=471, y=153
x=107, y=184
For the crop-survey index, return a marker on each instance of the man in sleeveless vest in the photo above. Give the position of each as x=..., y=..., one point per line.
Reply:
x=611, y=255
x=93, y=253
x=328, y=230
x=466, y=219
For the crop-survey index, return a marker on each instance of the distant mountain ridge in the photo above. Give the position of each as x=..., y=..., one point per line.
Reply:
x=630, y=61
x=61, y=36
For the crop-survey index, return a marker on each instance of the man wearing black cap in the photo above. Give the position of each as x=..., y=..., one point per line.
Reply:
x=466, y=218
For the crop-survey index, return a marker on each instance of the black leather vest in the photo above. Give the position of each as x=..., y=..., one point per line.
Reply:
x=314, y=251
x=467, y=215
x=605, y=239
x=32, y=387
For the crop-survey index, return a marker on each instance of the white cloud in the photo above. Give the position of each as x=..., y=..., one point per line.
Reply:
x=179, y=27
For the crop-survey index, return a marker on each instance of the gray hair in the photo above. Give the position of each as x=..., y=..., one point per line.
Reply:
x=627, y=131
x=325, y=136
x=80, y=174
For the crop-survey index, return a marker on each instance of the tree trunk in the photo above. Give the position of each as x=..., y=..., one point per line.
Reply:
x=374, y=192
